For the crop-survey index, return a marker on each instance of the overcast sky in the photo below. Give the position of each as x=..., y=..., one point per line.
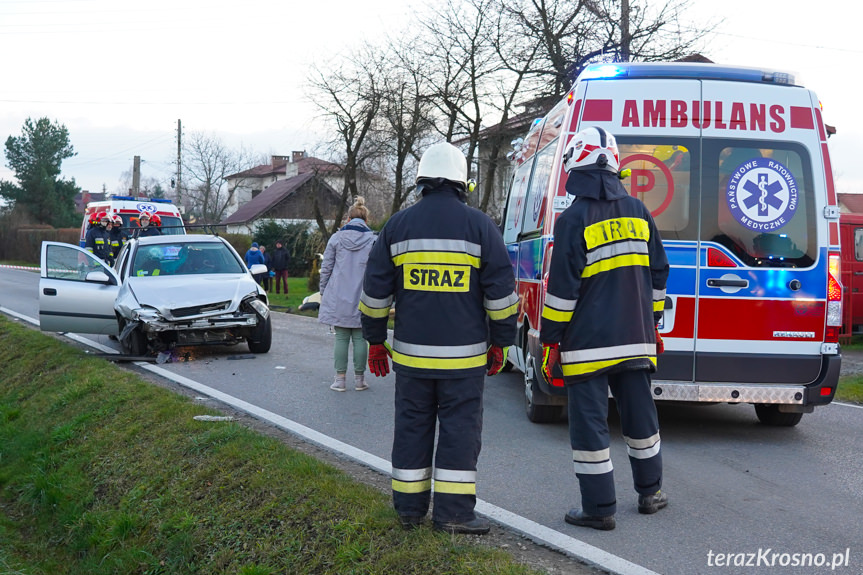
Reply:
x=119, y=74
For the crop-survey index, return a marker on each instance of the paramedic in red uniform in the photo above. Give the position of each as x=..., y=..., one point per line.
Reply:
x=606, y=293
x=446, y=267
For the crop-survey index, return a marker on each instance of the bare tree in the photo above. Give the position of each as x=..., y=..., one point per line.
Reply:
x=207, y=162
x=405, y=118
x=572, y=34
x=348, y=95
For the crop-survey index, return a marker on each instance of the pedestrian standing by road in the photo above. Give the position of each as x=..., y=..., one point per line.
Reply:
x=267, y=262
x=446, y=267
x=605, y=296
x=281, y=259
x=254, y=256
x=342, y=272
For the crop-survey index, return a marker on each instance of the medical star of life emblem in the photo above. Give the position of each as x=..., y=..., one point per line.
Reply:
x=762, y=194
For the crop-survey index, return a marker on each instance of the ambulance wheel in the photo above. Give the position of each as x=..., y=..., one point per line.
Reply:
x=537, y=413
x=770, y=415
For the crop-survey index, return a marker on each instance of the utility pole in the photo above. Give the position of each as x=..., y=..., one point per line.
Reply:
x=179, y=164
x=136, y=176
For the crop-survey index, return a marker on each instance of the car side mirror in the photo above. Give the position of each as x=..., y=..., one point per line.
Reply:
x=258, y=269
x=99, y=277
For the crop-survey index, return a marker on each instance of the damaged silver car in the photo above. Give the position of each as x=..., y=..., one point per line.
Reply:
x=162, y=292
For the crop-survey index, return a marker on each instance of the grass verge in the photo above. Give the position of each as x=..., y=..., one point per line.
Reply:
x=104, y=473
x=850, y=389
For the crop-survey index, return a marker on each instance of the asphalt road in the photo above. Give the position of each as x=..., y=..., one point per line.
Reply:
x=736, y=487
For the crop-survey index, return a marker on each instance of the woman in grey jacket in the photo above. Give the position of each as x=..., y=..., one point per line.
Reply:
x=341, y=283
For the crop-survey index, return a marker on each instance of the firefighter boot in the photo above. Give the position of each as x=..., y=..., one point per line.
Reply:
x=476, y=526
x=648, y=504
x=338, y=382
x=578, y=517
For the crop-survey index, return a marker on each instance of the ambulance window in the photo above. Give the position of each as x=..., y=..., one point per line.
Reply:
x=759, y=202
x=661, y=177
x=537, y=193
x=858, y=244
x=515, y=203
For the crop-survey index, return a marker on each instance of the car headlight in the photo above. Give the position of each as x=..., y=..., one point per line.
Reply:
x=145, y=314
x=260, y=307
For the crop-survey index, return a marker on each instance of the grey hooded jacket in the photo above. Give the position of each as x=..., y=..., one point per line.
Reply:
x=342, y=274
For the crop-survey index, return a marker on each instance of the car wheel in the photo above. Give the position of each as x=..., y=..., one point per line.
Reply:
x=770, y=415
x=262, y=337
x=135, y=344
x=537, y=413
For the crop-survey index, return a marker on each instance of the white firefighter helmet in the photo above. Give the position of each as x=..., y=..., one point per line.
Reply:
x=592, y=147
x=443, y=160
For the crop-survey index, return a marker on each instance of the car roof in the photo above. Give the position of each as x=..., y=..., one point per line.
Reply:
x=177, y=239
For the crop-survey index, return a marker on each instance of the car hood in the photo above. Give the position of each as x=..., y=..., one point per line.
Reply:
x=170, y=293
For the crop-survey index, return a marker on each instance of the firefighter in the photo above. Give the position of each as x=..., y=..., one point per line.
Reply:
x=98, y=238
x=446, y=265
x=119, y=237
x=605, y=296
x=144, y=227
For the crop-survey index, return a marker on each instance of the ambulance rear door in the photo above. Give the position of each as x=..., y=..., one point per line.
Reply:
x=660, y=143
x=762, y=264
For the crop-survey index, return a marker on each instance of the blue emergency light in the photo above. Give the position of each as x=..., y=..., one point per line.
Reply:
x=134, y=199
x=647, y=70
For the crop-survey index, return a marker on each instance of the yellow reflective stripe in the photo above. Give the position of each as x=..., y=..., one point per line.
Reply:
x=616, y=262
x=454, y=488
x=614, y=230
x=503, y=313
x=552, y=314
x=592, y=366
x=374, y=312
x=439, y=363
x=436, y=258
x=411, y=486
x=659, y=305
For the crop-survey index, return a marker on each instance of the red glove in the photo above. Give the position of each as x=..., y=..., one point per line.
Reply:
x=379, y=363
x=496, y=359
x=660, y=345
x=550, y=358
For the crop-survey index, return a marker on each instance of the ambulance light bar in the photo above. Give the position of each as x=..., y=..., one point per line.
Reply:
x=134, y=199
x=685, y=70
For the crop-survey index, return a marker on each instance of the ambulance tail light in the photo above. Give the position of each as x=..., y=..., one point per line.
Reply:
x=834, y=298
x=718, y=259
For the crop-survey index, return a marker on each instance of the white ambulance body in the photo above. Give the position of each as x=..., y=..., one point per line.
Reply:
x=734, y=165
x=130, y=207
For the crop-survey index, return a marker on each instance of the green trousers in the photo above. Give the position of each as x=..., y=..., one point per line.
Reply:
x=361, y=349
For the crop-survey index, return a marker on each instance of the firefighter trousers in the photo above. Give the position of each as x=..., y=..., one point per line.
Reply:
x=589, y=437
x=455, y=405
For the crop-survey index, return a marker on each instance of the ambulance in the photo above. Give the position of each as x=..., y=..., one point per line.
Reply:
x=130, y=207
x=734, y=166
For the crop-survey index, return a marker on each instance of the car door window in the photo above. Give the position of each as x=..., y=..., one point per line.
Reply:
x=515, y=206
x=536, y=195
x=68, y=263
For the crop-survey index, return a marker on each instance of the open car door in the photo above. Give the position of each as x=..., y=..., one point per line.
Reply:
x=76, y=291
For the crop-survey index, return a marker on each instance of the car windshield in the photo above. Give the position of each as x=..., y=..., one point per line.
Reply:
x=181, y=258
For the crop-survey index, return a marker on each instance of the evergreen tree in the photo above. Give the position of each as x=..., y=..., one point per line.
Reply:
x=35, y=157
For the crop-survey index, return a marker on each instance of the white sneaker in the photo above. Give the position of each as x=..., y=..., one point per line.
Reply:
x=338, y=382
x=360, y=382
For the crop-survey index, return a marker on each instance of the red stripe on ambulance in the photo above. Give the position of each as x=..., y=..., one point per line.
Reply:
x=597, y=111
x=759, y=317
